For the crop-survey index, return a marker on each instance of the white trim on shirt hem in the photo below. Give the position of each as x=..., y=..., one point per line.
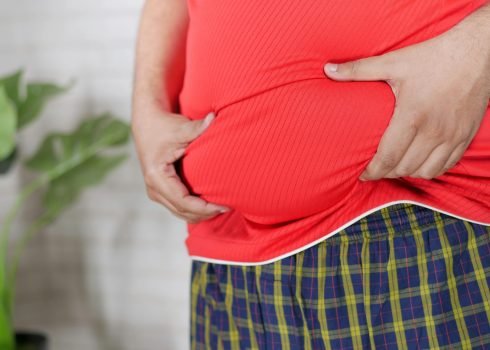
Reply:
x=330, y=234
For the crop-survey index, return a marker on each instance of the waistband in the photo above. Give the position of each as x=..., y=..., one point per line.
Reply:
x=396, y=219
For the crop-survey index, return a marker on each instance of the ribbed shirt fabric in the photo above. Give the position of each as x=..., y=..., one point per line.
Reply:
x=288, y=144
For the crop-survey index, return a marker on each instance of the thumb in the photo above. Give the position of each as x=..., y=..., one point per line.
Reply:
x=369, y=68
x=188, y=129
x=199, y=125
x=206, y=121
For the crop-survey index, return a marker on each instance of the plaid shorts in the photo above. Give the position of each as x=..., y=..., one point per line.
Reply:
x=402, y=277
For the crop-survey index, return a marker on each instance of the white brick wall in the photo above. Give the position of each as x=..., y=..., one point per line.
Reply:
x=111, y=270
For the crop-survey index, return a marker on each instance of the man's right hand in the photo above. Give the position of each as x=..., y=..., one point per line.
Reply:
x=161, y=139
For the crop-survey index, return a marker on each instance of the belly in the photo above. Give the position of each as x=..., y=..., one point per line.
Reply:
x=288, y=142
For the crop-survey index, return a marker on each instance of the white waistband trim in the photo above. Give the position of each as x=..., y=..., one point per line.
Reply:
x=330, y=234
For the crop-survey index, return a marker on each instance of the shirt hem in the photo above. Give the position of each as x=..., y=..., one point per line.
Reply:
x=330, y=234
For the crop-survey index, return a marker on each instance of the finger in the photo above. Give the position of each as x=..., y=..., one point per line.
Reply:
x=179, y=152
x=379, y=67
x=417, y=153
x=459, y=150
x=172, y=188
x=157, y=197
x=434, y=163
x=191, y=129
x=393, y=145
x=191, y=218
x=453, y=158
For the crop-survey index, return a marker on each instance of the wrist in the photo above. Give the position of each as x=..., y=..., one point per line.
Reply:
x=475, y=31
x=484, y=25
x=153, y=101
x=146, y=109
x=150, y=96
x=477, y=27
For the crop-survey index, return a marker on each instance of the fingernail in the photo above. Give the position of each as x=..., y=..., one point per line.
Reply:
x=222, y=210
x=332, y=67
x=209, y=118
x=362, y=179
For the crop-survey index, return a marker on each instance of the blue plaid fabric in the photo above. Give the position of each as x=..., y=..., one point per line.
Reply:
x=402, y=277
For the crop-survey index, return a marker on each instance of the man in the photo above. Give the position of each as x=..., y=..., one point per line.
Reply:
x=459, y=61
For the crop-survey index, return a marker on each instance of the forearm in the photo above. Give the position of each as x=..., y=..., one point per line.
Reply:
x=160, y=54
x=476, y=29
x=477, y=26
x=482, y=21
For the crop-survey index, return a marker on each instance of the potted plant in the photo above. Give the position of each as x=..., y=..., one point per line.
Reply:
x=64, y=163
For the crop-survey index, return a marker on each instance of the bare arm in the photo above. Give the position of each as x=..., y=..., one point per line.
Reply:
x=160, y=53
x=161, y=134
x=480, y=21
x=477, y=27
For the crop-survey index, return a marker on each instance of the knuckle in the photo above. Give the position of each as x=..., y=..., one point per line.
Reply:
x=450, y=165
x=425, y=175
x=183, y=207
x=149, y=177
x=387, y=160
x=180, y=208
x=413, y=125
x=354, y=67
x=440, y=130
x=177, y=214
x=454, y=163
x=416, y=120
x=459, y=135
x=402, y=171
x=150, y=194
x=184, y=211
x=437, y=132
x=464, y=144
x=463, y=138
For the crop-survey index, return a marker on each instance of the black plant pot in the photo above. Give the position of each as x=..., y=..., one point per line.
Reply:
x=31, y=341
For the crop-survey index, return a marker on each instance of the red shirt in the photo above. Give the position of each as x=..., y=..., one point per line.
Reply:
x=288, y=144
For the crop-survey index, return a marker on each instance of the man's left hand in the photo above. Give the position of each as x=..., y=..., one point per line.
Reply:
x=442, y=90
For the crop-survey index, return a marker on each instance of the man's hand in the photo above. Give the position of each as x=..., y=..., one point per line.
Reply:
x=161, y=138
x=442, y=90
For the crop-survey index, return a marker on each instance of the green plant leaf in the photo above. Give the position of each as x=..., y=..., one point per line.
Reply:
x=11, y=83
x=67, y=150
x=66, y=189
x=6, y=331
x=37, y=95
x=68, y=163
x=8, y=124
